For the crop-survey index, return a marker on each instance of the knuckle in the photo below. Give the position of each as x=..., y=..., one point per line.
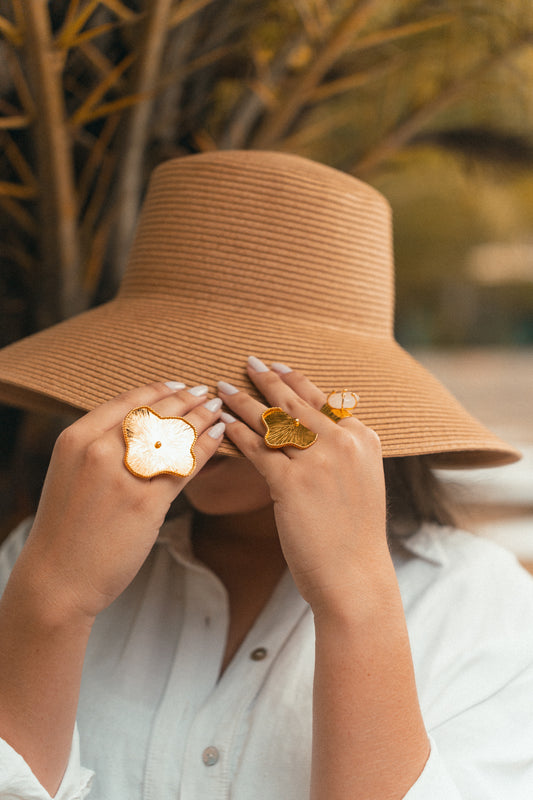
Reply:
x=160, y=388
x=256, y=446
x=346, y=444
x=67, y=441
x=125, y=397
x=99, y=452
x=321, y=461
x=294, y=406
x=140, y=502
x=150, y=394
x=373, y=438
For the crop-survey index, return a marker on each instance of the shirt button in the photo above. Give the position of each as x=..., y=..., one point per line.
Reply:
x=258, y=654
x=210, y=756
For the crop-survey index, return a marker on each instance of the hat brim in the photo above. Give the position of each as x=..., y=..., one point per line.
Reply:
x=89, y=359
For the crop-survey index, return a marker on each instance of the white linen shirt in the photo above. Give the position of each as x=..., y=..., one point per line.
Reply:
x=156, y=723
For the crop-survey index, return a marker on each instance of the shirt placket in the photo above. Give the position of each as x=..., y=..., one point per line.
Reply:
x=218, y=733
x=192, y=678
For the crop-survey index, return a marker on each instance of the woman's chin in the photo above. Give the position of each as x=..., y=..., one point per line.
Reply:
x=227, y=485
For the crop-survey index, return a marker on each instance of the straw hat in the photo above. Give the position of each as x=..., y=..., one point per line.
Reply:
x=247, y=252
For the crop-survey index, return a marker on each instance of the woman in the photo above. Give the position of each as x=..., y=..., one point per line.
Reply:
x=269, y=641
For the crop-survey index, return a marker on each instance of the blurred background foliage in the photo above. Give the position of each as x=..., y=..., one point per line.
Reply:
x=429, y=100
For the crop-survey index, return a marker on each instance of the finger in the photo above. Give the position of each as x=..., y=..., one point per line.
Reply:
x=205, y=447
x=278, y=393
x=252, y=445
x=184, y=402
x=246, y=407
x=311, y=393
x=300, y=384
x=202, y=418
x=250, y=411
x=106, y=416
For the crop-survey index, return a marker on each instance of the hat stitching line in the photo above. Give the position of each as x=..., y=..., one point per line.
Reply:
x=244, y=168
x=261, y=314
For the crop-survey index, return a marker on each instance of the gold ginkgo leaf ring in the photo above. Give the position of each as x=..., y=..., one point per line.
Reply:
x=158, y=445
x=283, y=430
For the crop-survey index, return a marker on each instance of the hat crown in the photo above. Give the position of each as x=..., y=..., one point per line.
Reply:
x=269, y=233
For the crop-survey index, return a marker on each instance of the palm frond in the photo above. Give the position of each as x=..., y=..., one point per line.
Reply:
x=17, y=190
x=88, y=111
x=11, y=32
x=15, y=121
x=298, y=94
x=19, y=213
x=414, y=122
x=185, y=10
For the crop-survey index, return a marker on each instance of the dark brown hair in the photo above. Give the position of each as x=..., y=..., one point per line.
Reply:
x=414, y=495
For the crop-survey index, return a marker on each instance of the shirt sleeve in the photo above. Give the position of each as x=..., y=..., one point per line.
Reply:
x=434, y=782
x=11, y=548
x=485, y=752
x=17, y=781
x=475, y=667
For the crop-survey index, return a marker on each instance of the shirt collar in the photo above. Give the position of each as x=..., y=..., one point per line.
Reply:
x=427, y=544
x=175, y=535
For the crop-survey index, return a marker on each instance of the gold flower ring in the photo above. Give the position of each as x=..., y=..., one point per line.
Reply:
x=283, y=430
x=340, y=405
x=158, y=445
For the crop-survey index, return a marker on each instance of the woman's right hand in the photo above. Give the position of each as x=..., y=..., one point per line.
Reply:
x=96, y=522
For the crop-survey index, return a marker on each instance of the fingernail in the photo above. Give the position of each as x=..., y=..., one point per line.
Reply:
x=214, y=404
x=257, y=364
x=283, y=369
x=175, y=385
x=227, y=388
x=217, y=430
x=198, y=391
x=225, y=417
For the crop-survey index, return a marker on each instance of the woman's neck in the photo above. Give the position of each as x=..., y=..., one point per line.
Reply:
x=239, y=548
x=243, y=550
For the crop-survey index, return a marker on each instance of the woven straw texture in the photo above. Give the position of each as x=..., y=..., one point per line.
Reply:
x=241, y=253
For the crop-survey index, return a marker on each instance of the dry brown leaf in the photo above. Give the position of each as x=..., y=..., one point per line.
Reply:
x=11, y=32
x=86, y=111
x=388, y=35
x=93, y=33
x=18, y=190
x=185, y=10
x=74, y=23
x=349, y=82
x=15, y=121
x=93, y=267
x=19, y=163
x=96, y=155
x=106, y=109
x=20, y=214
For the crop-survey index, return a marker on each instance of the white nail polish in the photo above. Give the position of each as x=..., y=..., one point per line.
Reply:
x=214, y=404
x=283, y=369
x=227, y=388
x=256, y=364
x=198, y=391
x=175, y=385
x=225, y=417
x=217, y=430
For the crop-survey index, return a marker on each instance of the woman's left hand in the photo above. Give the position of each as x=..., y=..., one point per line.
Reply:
x=369, y=738
x=329, y=499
